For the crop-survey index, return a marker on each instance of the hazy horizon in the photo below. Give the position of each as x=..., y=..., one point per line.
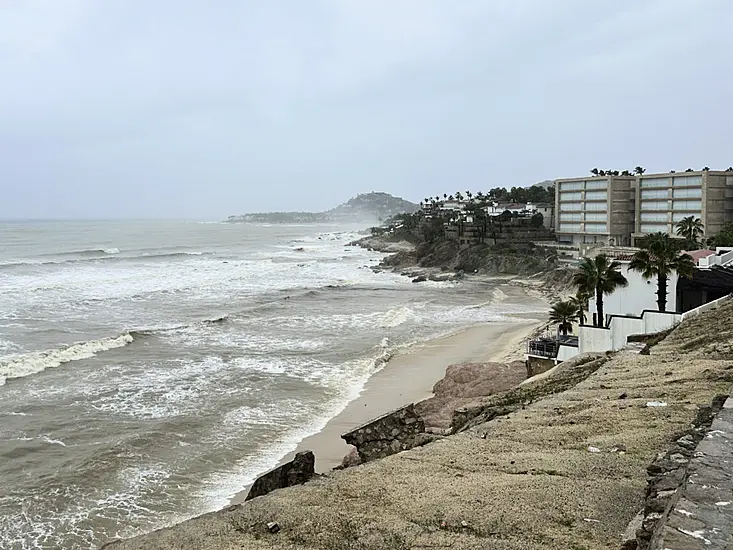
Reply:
x=117, y=110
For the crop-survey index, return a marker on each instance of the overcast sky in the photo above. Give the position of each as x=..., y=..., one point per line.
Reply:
x=183, y=108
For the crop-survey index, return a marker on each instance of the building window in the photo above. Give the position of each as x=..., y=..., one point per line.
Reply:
x=656, y=182
x=688, y=205
x=596, y=206
x=596, y=196
x=571, y=186
x=655, y=205
x=596, y=217
x=694, y=192
x=653, y=228
x=654, y=193
x=596, y=184
x=595, y=227
x=677, y=216
x=570, y=197
x=687, y=180
x=565, y=206
x=654, y=217
x=570, y=216
x=570, y=227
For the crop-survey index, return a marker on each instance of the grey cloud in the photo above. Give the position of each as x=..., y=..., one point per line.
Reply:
x=188, y=109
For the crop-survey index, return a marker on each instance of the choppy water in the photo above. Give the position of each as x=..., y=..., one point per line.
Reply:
x=150, y=370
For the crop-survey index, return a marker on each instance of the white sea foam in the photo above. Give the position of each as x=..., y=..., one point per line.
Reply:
x=111, y=250
x=17, y=366
x=51, y=441
x=398, y=316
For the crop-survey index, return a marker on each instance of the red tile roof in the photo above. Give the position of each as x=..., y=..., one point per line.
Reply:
x=697, y=254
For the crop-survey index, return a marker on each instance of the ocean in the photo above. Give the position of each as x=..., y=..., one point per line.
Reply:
x=151, y=370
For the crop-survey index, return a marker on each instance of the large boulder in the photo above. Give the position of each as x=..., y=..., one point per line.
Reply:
x=296, y=472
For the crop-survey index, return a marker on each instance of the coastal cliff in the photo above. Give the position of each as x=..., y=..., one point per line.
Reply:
x=443, y=257
x=562, y=465
x=364, y=208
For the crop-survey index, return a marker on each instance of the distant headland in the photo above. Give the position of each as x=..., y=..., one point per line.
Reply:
x=367, y=208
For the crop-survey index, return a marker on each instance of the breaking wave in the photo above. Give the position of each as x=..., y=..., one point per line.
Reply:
x=18, y=366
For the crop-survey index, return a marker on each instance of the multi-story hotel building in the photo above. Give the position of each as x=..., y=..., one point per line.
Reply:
x=595, y=210
x=616, y=210
x=662, y=200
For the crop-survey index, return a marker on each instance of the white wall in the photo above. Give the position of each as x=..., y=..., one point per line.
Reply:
x=567, y=352
x=656, y=322
x=622, y=328
x=641, y=294
x=722, y=256
x=594, y=339
x=706, y=307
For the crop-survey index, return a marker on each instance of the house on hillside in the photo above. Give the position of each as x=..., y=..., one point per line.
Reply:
x=547, y=210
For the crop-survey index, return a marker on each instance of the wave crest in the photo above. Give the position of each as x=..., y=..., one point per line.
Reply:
x=18, y=366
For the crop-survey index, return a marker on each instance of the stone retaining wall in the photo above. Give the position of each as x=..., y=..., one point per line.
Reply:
x=685, y=483
x=391, y=433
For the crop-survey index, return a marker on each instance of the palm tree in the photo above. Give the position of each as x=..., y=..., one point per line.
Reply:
x=639, y=170
x=598, y=276
x=594, y=171
x=690, y=228
x=458, y=195
x=706, y=169
x=580, y=301
x=659, y=257
x=563, y=314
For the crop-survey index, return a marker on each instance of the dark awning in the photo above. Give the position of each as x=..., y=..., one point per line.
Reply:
x=717, y=278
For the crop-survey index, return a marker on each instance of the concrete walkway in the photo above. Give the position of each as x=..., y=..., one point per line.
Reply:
x=703, y=515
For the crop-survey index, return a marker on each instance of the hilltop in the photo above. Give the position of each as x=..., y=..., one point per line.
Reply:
x=366, y=207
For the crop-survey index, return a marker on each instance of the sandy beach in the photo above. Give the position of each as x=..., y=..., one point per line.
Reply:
x=409, y=377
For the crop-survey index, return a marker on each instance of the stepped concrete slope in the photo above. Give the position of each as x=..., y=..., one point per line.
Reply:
x=563, y=471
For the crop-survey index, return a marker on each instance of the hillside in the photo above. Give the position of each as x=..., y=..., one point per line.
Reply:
x=367, y=208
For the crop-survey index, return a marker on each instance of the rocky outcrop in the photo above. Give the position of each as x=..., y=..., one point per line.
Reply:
x=564, y=376
x=391, y=433
x=465, y=383
x=296, y=472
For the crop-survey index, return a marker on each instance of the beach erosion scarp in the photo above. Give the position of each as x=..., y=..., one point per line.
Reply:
x=565, y=469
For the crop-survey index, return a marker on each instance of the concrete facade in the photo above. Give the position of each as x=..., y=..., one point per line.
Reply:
x=662, y=200
x=595, y=210
x=617, y=210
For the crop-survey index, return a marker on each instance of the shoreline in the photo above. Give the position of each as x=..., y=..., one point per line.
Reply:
x=409, y=377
